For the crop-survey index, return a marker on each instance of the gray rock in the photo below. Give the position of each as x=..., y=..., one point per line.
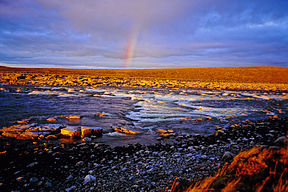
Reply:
x=227, y=155
x=70, y=177
x=32, y=164
x=281, y=141
x=72, y=188
x=34, y=179
x=87, y=139
x=88, y=179
x=48, y=184
x=79, y=163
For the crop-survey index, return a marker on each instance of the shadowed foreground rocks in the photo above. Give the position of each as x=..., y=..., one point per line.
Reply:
x=33, y=165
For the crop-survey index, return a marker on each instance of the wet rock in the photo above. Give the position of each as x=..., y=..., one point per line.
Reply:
x=71, y=132
x=51, y=120
x=73, y=118
x=88, y=131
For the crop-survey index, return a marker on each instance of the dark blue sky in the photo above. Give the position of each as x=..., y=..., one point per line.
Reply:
x=143, y=33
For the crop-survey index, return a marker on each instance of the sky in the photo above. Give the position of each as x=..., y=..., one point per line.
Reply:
x=124, y=34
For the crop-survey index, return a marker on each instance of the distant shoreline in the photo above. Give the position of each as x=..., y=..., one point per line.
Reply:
x=239, y=78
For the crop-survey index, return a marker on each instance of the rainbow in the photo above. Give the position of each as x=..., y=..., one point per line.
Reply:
x=129, y=51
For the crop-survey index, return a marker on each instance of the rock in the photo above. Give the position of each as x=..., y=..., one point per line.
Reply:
x=51, y=137
x=161, y=131
x=20, y=179
x=281, y=140
x=34, y=179
x=51, y=120
x=126, y=131
x=70, y=177
x=32, y=164
x=72, y=188
x=89, y=178
x=71, y=131
x=21, y=122
x=80, y=163
x=88, y=131
x=165, y=135
x=91, y=172
x=101, y=114
x=135, y=186
x=190, y=148
x=48, y=184
x=87, y=139
x=227, y=156
x=73, y=118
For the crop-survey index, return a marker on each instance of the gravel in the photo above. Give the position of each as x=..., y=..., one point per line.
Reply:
x=90, y=166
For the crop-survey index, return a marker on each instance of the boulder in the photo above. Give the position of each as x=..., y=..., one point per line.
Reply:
x=88, y=131
x=71, y=131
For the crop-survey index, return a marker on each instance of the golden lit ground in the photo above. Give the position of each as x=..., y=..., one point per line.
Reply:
x=253, y=78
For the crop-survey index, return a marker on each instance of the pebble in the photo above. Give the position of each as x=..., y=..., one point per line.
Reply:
x=72, y=188
x=20, y=179
x=227, y=155
x=281, y=140
x=32, y=164
x=70, y=177
x=89, y=178
x=139, y=168
x=33, y=180
x=80, y=163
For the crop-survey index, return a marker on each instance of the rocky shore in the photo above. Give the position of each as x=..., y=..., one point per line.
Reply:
x=35, y=165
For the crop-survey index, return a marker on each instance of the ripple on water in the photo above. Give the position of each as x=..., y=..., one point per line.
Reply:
x=143, y=109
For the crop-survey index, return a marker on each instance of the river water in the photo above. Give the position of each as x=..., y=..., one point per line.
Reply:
x=143, y=110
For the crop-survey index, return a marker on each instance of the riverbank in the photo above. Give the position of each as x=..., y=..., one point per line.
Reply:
x=237, y=78
x=48, y=166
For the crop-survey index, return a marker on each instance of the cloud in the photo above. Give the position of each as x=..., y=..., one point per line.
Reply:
x=179, y=32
